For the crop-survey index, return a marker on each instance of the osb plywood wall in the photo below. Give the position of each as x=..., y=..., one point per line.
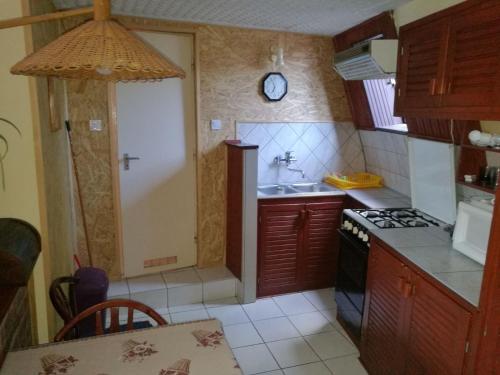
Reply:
x=232, y=63
x=92, y=153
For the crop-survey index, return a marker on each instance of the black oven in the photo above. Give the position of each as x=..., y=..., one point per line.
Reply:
x=351, y=281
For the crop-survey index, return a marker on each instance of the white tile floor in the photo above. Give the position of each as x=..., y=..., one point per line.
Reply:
x=294, y=334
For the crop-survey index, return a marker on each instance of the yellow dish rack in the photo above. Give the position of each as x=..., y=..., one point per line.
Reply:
x=359, y=180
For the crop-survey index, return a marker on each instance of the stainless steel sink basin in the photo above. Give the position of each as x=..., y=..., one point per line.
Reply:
x=313, y=187
x=276, y=190
x=297, y=190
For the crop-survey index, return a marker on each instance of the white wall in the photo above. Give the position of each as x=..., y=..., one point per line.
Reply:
x=21, y=196
x=417, y=9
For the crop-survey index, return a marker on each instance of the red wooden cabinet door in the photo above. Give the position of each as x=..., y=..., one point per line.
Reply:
x=472, y=73
x=321, y=244
x=421, y=67
x=438, y=330
x=386, y=309
x=280, y=242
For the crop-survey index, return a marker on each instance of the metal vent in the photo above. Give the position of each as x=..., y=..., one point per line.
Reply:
x=364, y=62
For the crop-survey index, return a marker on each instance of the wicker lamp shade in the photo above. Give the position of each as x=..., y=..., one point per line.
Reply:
x=99, y=50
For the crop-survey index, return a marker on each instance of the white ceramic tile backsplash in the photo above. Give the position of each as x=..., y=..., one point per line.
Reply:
x=320, y=148
x=387, y=155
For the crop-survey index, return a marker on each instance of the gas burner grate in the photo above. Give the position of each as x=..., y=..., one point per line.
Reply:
x=397, y=218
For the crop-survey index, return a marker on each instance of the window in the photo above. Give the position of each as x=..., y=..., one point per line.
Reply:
x=381, y=93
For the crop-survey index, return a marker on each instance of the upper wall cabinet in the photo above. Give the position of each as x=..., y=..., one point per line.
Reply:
x=472, y=66
x=448, y=64
x=421, y=66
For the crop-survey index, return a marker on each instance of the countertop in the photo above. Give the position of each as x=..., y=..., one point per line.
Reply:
x=431, y=250
x=380, y=198
x=372, y=198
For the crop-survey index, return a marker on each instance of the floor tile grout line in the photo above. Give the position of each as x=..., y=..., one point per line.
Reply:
x=252, y=322
x=301, y=336
x=263, y=341
x=334, y=326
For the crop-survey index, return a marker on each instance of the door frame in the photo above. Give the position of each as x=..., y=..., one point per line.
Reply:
x=148, y=25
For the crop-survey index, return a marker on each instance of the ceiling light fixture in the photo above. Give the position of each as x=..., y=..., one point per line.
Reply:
x=99, y=49
x=277, y=57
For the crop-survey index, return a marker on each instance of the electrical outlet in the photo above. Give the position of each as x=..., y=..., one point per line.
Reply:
x=215, y=124
x=95, y=125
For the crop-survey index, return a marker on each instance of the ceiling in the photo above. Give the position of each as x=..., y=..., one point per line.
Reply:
x=322, y=17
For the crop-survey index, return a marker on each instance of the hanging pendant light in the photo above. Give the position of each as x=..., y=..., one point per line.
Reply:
x=100, y=49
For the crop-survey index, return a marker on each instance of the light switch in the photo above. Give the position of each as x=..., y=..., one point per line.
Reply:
x=95, y=125
x=216, y=124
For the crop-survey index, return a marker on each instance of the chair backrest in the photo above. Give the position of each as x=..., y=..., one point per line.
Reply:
x=114, y=307
x=63, y=304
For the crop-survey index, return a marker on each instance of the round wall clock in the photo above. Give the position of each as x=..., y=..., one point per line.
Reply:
x=274, y=86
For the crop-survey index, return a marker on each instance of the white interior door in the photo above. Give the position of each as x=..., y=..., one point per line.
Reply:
x=156, y=123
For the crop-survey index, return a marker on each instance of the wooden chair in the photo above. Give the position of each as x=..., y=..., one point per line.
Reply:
x=113, y=306
x=63, y=304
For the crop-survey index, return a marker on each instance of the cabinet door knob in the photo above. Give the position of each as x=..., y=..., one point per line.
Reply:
x=407, y=290
x=432, y=86
x=302, y=218
x=401, y=283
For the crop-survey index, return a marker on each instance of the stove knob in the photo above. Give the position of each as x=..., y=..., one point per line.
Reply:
x=349, y=226
x=365, y=238
x=355, y=230
x=361, y=234
x=346, y=224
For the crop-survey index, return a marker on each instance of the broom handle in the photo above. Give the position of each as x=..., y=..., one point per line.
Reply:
x=79, y=193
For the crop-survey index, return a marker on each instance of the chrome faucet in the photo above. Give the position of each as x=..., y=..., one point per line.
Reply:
x=297, y=170
x=288, y=160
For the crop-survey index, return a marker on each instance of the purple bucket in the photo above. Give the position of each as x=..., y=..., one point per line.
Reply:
x=91, y=289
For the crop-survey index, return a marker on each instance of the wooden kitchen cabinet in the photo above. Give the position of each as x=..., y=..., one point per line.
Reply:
x=421, y=67
x=440, y=130
x=297, y=244
x=382, y=349
x=448, y=64
x=410, y=326
x=280, y=242
x=321, y=244
x=437, y=333
x=472, y=77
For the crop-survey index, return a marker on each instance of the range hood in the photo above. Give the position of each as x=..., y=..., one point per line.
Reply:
x=373, y=59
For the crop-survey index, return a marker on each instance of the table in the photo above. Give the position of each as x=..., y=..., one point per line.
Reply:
x=194, y=348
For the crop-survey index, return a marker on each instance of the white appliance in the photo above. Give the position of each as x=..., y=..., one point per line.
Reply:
x=373, y=59
x=432, y=178
x=472, y=231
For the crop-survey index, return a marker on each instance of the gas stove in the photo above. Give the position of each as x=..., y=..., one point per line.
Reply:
x=355, y=236
x=398, y=218
x=359, y=223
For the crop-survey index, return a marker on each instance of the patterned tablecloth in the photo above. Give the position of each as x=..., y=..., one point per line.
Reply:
x=196, y=348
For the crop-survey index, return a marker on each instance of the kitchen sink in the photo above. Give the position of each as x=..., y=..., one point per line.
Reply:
x=297, y=190
x=277, y=190
x=313, y=187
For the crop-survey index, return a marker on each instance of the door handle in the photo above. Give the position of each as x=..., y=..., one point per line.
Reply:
x=126, y=161
x=302, y=218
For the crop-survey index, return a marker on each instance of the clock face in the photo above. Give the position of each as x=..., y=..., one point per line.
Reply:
x=274, y=86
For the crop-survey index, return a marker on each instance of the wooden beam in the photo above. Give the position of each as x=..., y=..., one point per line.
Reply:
x=28, y=20
x=102, y=10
